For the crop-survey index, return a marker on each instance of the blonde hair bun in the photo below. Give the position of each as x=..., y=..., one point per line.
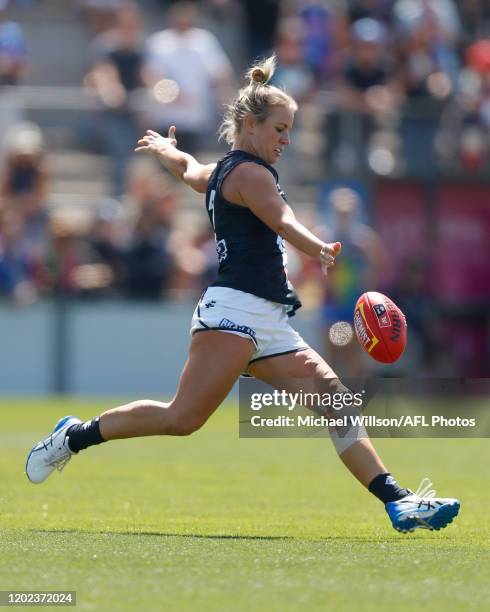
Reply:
x=258, y=76
x=262, y=72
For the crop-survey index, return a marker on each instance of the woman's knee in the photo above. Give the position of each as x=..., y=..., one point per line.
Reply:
x=314, y=366
x=183, y=424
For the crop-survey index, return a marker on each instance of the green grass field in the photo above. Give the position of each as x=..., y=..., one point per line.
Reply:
x=213, y=522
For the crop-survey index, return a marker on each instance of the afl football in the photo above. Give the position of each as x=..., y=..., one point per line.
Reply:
x=380, y=327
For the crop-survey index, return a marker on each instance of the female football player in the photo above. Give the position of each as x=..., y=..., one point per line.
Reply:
x=241, y=322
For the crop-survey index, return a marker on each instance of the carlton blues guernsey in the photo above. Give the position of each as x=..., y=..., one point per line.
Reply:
x=251, y=256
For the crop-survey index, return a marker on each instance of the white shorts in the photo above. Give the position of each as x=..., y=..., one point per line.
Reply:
x=236, y=312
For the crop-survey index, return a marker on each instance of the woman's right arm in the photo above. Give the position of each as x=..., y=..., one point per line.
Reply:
x=182, y=165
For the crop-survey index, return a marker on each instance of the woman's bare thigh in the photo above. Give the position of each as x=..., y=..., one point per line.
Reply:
x=303, y=371
x=216, y=359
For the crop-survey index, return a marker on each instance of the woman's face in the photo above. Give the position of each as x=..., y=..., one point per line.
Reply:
x=270, y=137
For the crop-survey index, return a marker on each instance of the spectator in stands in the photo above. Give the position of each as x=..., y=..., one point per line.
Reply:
x=17, y=266
x=42, y=253
x=293, y=73
x=366, y=66
x=99, y=15
x=428, y=47
x=141, y=172
x=103, y=269
x=462, y=142
x=149, y=262
x=261, y=19
x=441, y=15
x=115, y=75
x=412, y=294
x=367, y=94
x=188, y=75
x=194, y=253
x=83, y=261
x=475, y=19
x=360, y=270
x=63, y=258
x=428, y=71
x=24, y=184
x=380, y=10
x=13, y=49
x=320, y=25
x=146, y=185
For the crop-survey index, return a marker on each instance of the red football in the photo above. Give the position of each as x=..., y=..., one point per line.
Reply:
x=380, y=327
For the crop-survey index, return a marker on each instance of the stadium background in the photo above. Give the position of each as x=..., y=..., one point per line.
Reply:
x=99, y=274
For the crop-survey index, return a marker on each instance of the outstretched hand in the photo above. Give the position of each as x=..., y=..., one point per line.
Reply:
x=155, y=143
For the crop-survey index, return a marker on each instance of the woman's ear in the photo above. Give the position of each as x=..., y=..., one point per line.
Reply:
x=249, y=124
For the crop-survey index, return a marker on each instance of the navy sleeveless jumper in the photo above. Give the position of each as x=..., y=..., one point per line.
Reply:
x=251, y=256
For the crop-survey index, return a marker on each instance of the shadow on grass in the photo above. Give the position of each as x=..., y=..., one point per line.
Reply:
x=162, y=534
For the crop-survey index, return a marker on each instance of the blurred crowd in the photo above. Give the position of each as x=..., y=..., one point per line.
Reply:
x=127, y=248
x=398, y=86
x=391, y=87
